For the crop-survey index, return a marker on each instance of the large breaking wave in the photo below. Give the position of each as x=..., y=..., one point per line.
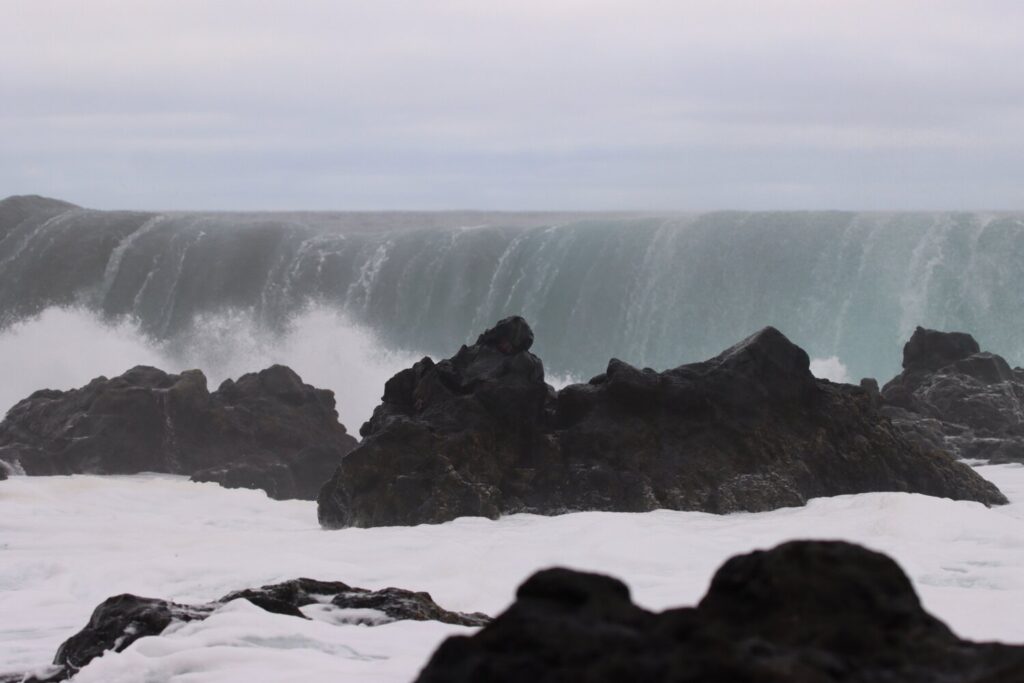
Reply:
x=654, y=290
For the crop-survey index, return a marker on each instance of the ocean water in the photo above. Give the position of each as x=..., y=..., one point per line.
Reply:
x=67, y=543
x=348, y=299
x=655, y=290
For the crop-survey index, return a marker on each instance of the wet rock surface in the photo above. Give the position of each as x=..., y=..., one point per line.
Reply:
x=481, y=434
x=953, y=396
x=803, y=611
x=121, y=620
x=266, y=430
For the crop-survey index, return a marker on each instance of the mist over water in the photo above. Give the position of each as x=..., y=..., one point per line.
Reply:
x=366, y=293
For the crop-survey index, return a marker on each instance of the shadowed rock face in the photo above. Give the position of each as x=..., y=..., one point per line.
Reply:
x=804, y=611
x=267, y=430
x=121, y=620
x=749, y=430
x=953, y=396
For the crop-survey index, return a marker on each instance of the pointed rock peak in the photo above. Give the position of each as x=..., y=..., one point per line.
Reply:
x=511, y=335
x=767, y=351
x=932, y=349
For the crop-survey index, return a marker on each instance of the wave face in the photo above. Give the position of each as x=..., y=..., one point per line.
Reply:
x=653, y=290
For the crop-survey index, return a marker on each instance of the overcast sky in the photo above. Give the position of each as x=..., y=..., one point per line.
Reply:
x=546, y=104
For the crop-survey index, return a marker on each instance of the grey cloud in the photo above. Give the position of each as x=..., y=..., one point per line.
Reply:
x=730, y=104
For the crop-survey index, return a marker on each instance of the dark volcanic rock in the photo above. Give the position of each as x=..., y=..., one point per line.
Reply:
x=121, y=620
x=751, y=429
x=266, y=430
x=953, y=396
x=117, y=623
x=395, y=604
x=804, y=611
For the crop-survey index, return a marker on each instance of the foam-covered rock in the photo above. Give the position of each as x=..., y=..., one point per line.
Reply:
x=121, y=620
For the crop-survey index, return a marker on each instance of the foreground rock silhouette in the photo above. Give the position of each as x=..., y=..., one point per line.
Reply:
x=121, y=620
x=803, y=611
x=954, y=396
x=267, y=430
x=749, y=430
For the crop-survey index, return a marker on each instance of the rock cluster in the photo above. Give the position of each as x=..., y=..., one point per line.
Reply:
x=121, y=620
x=953, y=396
x=749, y=430
x=803, y=611
x=267, y=430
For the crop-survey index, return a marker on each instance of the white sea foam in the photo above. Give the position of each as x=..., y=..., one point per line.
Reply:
x=66, y=347
x=830, y=368
x=66, y=543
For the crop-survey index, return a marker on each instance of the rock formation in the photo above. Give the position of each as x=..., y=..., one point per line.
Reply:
x=749, y=430
x=121, y=620
x=267, y=430
x=804, y=611
x=951, y=395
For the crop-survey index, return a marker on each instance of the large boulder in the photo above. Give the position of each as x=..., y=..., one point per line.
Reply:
x=954, y=396
x=121, y=620
x=749, y=430
x=804, y=611
x=267, y=430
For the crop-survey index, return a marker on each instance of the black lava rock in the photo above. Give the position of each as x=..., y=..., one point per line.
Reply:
x=811, y=611
x=267, y=430
x=121, y=620
x=751, y=429
x=953, y=396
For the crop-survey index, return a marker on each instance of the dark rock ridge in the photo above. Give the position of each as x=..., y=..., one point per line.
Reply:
x=803, y=611
x=267, y=430
x=749, y=430
x=954, y=396
x=121, y=620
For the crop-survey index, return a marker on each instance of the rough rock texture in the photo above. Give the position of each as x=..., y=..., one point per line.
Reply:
x=751, y=429
x=804, y=611
x=396, y=604
x=121, y=620
x=266, y=430
x=953, y=396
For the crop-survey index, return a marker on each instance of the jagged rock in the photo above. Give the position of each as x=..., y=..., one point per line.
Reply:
x=751, y=429
x=953, y=396
x=114, y=625
x=395, y=604
x=121, y=620
x=804, y=611
x=266, y=430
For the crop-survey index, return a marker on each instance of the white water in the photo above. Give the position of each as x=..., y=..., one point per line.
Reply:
x=64, y=348
x=66, y=543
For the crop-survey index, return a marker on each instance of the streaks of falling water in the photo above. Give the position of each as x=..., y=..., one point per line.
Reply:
x=653, y=290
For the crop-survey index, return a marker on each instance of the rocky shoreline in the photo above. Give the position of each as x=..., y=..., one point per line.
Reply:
x=122, y=619
x=266, y=430
x=803, y=611
x=482, y=434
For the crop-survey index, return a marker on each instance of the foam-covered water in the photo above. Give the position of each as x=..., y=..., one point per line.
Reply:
x=653, y=290
x=67, y=543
